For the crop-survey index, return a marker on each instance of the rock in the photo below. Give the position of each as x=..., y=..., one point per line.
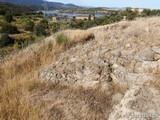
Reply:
x=116, y=53
x=147, y=29
x=117, y=97
x=87, y=84
x=157, y=57
x=128, y=45
x=87, y=72
x=137, y=101
x=156, y=49
x=118, y=77
x=73, y=59
x=148, y=67
x=147, y=54
x=116, y=71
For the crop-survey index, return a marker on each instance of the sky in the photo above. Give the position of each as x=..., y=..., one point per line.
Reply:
x=153, y=4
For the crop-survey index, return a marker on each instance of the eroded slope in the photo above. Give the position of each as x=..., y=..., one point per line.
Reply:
x=123, y=62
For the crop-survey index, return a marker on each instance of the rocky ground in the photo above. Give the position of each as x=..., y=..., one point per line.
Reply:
x=108, y=72
x=119, y=70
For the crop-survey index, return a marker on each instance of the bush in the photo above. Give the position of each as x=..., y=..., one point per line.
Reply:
x=8, y=28
x=8, y=17
x=2, y=12
x=29, y=26
x=44, y=22
x=130, y=15
x=41, y=27
x=40, y=30
x=5, y=40
x=77, y=24
x=23, y=37
x=55, y=27
x=23, y=40
x=61, y=39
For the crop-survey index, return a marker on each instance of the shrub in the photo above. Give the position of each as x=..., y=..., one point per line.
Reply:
x=8, y=17
x=23, y=40
x=29, y=26
x=41, y=27
x=89, y=17
x=23, y=37
x=5, y=40
x=44, y=22
x=78, y=24
x=61, y=39
x=2, y=12
x=8, y=28
x=130, y=15
x=56, y=26
x=40, y=30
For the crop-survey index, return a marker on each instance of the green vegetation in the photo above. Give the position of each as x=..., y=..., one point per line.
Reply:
x=61, y=39
x=8, y=16
x=41, y=27
x=18, y=27
x=5, y=40
x=29, y=25
x=56, y=26
x=148, y=12
x=110, y=17
x=17, y=10
x=8, y=28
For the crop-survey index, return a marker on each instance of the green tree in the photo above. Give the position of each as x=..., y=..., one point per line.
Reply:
x=5, y=40
x=130, y=14
x=2, y=12
x=89, y=17
x=44, y=22
x=8, y=17
x=40, y=30
x=41, y=27
x=56, y=26
x=146, y=12
x=8, y=28
x=29, y=26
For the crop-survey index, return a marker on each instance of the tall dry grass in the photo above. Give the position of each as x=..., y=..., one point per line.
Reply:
x=19, y=75
x=14, y=102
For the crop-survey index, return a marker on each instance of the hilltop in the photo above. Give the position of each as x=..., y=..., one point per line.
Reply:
x=107, y=72
x=53, y=5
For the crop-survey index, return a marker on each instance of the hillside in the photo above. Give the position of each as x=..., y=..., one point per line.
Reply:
x=18, y=8
x=53, y=5
x=107, y=73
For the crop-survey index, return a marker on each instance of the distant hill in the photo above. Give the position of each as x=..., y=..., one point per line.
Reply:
x=53, y=5
x=18, y=8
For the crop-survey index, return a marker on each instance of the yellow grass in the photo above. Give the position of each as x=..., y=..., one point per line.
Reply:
x=14, y=102
x=19, y=72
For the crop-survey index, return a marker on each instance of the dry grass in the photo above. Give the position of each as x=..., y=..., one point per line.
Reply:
x=140, y=33
x=15, y=102
x=19, y=71
x=66, y=102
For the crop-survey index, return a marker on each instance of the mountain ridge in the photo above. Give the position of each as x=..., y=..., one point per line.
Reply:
x=53, y=5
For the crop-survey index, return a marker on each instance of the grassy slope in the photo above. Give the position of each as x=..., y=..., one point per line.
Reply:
x=18, y=73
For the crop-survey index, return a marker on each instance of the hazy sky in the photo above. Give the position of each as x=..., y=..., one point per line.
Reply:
x=154, y=4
